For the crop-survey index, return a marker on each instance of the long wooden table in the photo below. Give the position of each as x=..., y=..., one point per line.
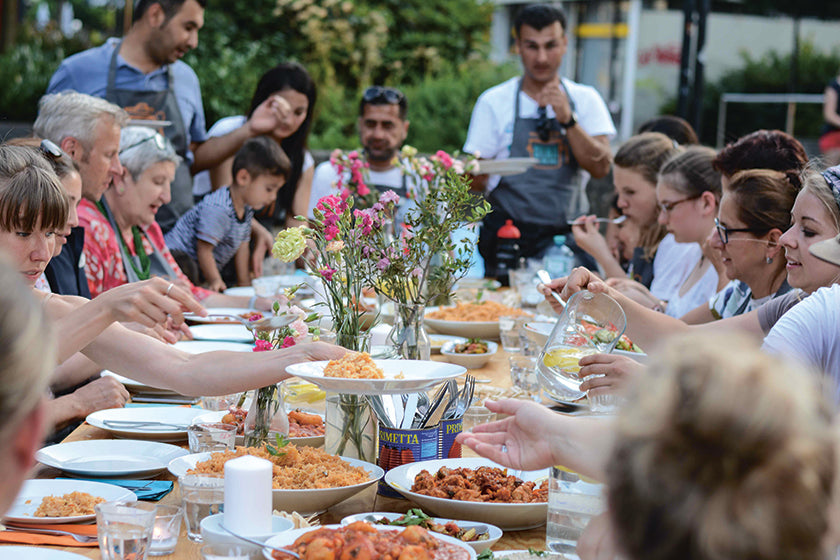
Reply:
x=497, y=371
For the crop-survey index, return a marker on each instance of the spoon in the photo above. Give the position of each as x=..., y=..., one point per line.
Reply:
x=545, y=278
x=615, y=221
x=266, y=324
x=259, y=543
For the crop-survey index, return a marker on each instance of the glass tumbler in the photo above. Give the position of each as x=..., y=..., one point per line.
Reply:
x=124, y=529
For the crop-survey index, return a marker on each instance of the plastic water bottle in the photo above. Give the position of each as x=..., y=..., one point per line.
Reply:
x=507, y=251
x=559, y=260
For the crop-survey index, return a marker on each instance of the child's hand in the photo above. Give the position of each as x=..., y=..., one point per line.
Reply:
x=217, y=285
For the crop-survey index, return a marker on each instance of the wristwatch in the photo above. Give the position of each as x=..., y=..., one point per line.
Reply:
x=572, y=121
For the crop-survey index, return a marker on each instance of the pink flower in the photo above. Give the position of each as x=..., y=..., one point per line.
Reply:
x=345, y=194
x=256, y=316
x=327, y=273
x=353, y=155
x=288, y=341
x=300, y=328
x=330, y=232
x=383, y=264
x=389, y=197
x=262, y=345
x=444, y=159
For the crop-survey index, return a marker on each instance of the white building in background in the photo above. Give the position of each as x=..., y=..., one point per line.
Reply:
x=605, y=52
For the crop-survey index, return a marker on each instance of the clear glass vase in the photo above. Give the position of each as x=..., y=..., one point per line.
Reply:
x=266, y=418
x=350, y=427
x=409, y=335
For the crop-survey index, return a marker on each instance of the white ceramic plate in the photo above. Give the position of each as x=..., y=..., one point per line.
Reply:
x=465, y=329
x=217, y=415
x=509, y=517
x=175, y=415
x=289, y=537
x=417, y=375
x=494, y=533
x=539, y=331
x=438, y=340
x=304, y=502
x=34, y=491
x=469, y=361
x=38, y=553
x=236, y=311
x=229, y=333
x=109, y=458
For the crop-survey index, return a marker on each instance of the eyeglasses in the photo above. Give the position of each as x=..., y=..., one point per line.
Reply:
x=160, y=143
x=668, y=207
x=49, y=148
x=381, y=93
x=543, y=124
x=723, y=231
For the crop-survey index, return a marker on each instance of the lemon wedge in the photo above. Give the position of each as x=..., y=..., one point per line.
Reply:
x=564, y=358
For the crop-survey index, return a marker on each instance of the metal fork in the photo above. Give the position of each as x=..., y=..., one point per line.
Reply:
x=77, y=538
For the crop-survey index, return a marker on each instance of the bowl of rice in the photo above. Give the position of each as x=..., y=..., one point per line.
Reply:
x=305, y=479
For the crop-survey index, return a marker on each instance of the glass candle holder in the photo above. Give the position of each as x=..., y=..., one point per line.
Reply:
x=166, y=531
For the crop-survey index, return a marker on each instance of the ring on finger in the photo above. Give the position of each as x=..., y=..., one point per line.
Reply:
x=169, y=288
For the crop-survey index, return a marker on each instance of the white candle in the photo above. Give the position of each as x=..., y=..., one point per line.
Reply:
x=248, y=496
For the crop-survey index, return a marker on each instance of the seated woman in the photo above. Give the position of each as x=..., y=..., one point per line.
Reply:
x=32, y=209
x=29, y=357
x=713, y=456
x=129, y=208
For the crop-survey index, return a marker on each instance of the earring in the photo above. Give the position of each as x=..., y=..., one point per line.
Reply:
x=769, y=260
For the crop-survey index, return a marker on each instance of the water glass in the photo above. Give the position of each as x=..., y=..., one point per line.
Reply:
x=231, y=551
x=166, y=531
x=211, y=437
x=476, y=415
x=572, y=503
x=509, y=329
x=523, y=374
x=201, y=496
x=219, y=402
x=124, y=529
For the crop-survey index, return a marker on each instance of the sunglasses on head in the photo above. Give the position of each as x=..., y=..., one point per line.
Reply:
x=50, y=149
x=381, y=93
x=159, y=141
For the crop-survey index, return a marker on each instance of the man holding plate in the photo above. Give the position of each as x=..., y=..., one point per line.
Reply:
x=564, y=125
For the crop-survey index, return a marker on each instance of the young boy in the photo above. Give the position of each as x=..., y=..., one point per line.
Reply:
x=219, y=227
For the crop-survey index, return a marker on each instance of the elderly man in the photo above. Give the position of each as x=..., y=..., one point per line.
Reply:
x=563, y=124
x=143, y=73
x=383, y=128
x=88, y=129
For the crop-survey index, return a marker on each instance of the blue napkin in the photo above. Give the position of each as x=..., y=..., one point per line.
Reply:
x=148, y=490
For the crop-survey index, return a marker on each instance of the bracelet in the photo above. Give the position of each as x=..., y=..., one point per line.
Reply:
x=252, y=303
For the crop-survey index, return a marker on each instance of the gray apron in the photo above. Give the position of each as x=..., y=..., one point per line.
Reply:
x=542, y=195
x=159, y=105
x=159, y=266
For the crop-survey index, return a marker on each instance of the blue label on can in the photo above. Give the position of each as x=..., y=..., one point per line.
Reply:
x=448, y=430
x=399, y=447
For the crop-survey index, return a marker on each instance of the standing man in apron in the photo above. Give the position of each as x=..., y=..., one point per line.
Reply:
x=564, y=125
x=143, y=73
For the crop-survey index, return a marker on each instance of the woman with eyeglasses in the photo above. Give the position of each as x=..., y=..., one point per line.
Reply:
x=123, y=242
x=814, y=217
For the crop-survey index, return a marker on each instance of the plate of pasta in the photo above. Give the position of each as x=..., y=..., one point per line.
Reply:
x=470, y=320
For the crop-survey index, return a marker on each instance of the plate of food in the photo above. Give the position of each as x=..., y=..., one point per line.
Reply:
x=480, y=536
x=309, y=480
x=438, y=340
x=214, y=318
x=469, y=320
x=305, y=428
x=472, y=353
x=110, y=458
x=163, y=423
x=378, y=540
x=229, y=333
x=516, y=500
x=359, y=374
x=52, y=502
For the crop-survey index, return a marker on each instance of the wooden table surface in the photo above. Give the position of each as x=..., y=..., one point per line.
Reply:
x=497, y=371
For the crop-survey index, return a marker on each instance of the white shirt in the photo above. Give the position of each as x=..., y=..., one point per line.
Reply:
x=491, y=126
x=696, y=295
x=201, y=180
x=810, y=332
x=672, y=264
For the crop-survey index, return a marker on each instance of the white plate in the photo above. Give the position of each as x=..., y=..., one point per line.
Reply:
x=510, y=166
x=237, y=311
x=172, y=414
x=229, y=333
x=33, y=491
x=417, y=376
x=288, y=538
x=466, y=329
x=246, y=291
x=438, y=340
x=539, y=331
x=494, y=533
x=109, y=458
x=305, y=502
x=509, y=517
x=38, y=553
x=469, y=361
x=217, y=415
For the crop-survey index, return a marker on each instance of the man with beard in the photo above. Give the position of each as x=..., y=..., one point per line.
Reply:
x=382, y=130
x=144, y=74
x=564, y=125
